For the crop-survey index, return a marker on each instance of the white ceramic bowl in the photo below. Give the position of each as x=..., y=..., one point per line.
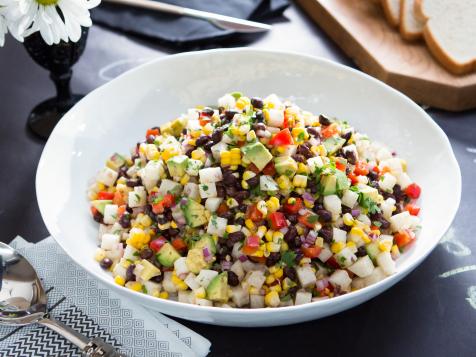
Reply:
x=115, y=116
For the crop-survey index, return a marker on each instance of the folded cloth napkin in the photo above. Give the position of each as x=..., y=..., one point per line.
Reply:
x=182, y=29
x=84, y=304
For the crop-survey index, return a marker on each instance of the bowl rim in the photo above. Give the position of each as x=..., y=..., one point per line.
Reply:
x=388, y=281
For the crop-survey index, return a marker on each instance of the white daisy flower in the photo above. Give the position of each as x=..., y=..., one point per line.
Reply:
x=56, y=20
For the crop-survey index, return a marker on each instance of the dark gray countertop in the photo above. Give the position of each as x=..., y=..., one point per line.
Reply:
x=424, y=314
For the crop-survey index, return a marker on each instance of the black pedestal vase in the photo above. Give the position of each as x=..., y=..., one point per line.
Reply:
x=58, y=59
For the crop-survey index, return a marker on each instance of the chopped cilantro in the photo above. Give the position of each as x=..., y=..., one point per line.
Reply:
x=368, y=203
x=342, y=259
x=289, y=258
x=137, y=197
x=214, y=221
x=136, y=254
x=312, y=219
x=286, y=298
x=377, y=223
x=204, y=187
x=354, y=189
x=301, y=136
x=144, y=289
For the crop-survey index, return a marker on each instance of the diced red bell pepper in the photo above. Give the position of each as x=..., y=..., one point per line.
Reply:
x=152, y=132
x=269, y=169
x=361, y=168
x=353, y=178
x=329, y=131
x=253, y=168
x=412, y=209
x=253, y=213
x=311, y=252
x=104, y=195
x=121, y=210
x=277, y=220
x=167, y=201
x=402, y=239
x=340, y=166
x=222, y=209
x=332, y=262
x=157, y=243
x=293, y=208
x=283, y=138
x=309, y=220
x=179, y=244
x=94, y=210
x=118, y=199
x=413, y=191
x=251, y=245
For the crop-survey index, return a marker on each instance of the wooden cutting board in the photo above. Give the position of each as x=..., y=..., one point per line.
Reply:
x=360, y=29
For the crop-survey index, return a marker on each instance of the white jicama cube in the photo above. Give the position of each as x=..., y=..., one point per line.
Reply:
x=363, y=267
x=210, y=175
x=191, y=281
x=385, y=261
x=266, y=183
x=400, y=221
x=339, y=235
x=218, y=148
x=332, y=203
x=345, y=257
x=227, y=101
x=358, y=283
x=349, y=198
x=314, y=163
x=275, y=118
x=256, y=301
x=387, y=207
x=306, y=276
x=217, y=225
x=403, y=180
x=181, y=267
x=302, y=297
x=151, y=287
x=130, y=253
x=203, y=302
x=110, y=214
x=107, y=176
x=387, y=181
x=109, y=241
x=186, y=296
x=207, y=190
x=247, y=264
x=192, y=191
x=325, y=254
x=167, y=283
x=151, y=173
x=169, y=186
x=119, y=269
x=240, y=296
x=395, y=165
x=341, y=279
x=213, y=203
x=375, y=277
x=138, y=197
x=205, y=276
x=364, y=219
x=383, y=154
x=193, y=166
x=256, y=279
x=237, y=268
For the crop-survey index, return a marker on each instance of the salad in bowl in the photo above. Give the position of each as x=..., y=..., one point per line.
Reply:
x=253, y=203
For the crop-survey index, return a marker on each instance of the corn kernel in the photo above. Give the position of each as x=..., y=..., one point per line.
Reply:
x=192, y=142
x=134, y=285
x=100, y=186
x=385, y=245
x=321, y=149
x=242, y=103
x=92, y=196
x=300, y=181
x=308, y=204
x=200, y=293
x=284, y=246
x=179, y=283
x=231, y=202
x=146, y=221
x=261, y=231
x=156, y=294
x=277, y=236
x=232, y=228
x=248, y=175
x=164, y=226
x=270, y=279
x=225, y=158
x=100, y=255
x=319, y=242
x=184, y=180
x=207, y=129
x=261, y=206
x=173, y=224
x=250, y=224
x=348, y=219
x=305, y=261
x=269, y=235
x=395, y=251
x=272, y=299
x=288, y=284
x=283, y=182
x=198, y=154
x=337, y=247
x=272, y=204
x=273, y=247
x=300, y=230
x=244, y=185
x=164, y=295
x=279, y=273
x=251, y=135
x=253, y=291
x=119, y=280
x=276, y=288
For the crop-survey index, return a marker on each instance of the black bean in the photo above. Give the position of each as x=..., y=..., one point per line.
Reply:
x=292, y=218
x=236, y=236
x=228, y=215
x=220, y=190
x=313, y=187
x=327, y=234
x=157, y=279
x=123, y=171
x=208, y=146
x=346, y=228
x=299, y=255
x=106, y=263
x=290, y=273
x=231, y=191
x=323, y=120
x=361, y=251
x=229, y=114
x=242, y=195
x=208, y=112
x=373, y=175
x=173, y=232
x=273, y=259
x=346, y=209
x=217, y=136
x=233, y=278
x=259, y=126
x=257, y=102
x=253, y=182
x=125, y=220
x=240, y=221
x=398, y=193
x=304, y=151
x=347, y=136
x=202, y=140
x=299, y=157
x=325, y=215
x=384, y=224
x=313, y=132
x=189, y=152
x=292, y=291
x=130, y=273
x=133, y=183
x=98, y=217
x=290, y=235
x=150, y=139
x=146, y=253
x=259, y=116
x=229, y=179
x=242, y=207
x=350, y=156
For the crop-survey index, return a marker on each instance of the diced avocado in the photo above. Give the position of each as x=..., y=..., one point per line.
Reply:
x=285, y=165
x=177, y=165
x=174, y=128
x=167, y=255
x=149, y=270
x=169, y=186
x=100, y=205
x=333, y=144
x=342, y=181
x=217, y=290
x=258, y=154
x=194, y=213
x=116, y=161
x=193, y=166
x=372, y=250
x=329, y=184
x=208, y=242
x=369, y=192
x=196, y=261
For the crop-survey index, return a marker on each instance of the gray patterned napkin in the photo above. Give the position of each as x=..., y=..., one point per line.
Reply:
x=82, y=303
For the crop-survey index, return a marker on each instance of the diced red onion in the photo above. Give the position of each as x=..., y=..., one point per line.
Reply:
x=302, y=211
x=355, y=212
x=137, y=210
x=306, y=245
x=206, y=254
x=322, y=284
x=183, y=201
x=311, y=238
x=243, y=258
x=284, y=230
x=226, y=265
x=308, y=197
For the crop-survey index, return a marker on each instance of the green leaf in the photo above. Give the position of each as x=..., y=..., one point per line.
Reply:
x=312, y=219
x=289, y=258
x=236, y=95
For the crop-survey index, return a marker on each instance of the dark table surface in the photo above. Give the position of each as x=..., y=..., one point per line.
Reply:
x=424, y=315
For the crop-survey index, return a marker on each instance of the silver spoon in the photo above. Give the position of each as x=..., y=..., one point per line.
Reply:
x=23, y=302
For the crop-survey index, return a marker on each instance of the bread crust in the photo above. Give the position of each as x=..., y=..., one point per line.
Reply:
x=392, y=20
x=407, y=35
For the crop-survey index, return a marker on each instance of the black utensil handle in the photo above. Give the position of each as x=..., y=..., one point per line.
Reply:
x=1, y=272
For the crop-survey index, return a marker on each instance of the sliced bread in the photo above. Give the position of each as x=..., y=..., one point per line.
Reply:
x=391, y=9
x=411, y=26
x=450, y=32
